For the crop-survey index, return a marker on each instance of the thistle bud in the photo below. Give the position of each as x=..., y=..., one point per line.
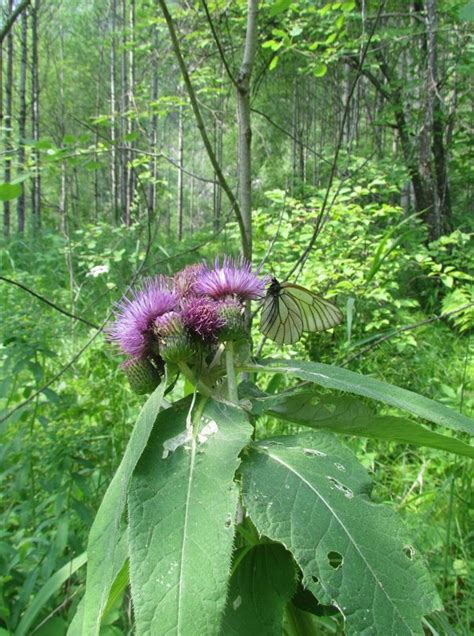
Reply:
x=142, y=375
x=174, y=341
x=231, y=312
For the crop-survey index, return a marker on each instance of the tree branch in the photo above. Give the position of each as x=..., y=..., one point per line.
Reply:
x=288, y=134
x=200, y=123
x=303, y=258
x=218, y=44
x=49, y=303
x=398, y=330
x=5, y=30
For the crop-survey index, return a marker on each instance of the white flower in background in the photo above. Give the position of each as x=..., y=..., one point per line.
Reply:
x=98, y=270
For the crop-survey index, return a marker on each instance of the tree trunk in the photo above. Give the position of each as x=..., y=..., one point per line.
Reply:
x=130, y=104
x=124, y=120
x=245, y=130
x=35, y=118
x=441, y=193
x=153, y=165
x=180, y=175
x=8, y=123
x=22, y=119
x=113, y=113
x=216, y=188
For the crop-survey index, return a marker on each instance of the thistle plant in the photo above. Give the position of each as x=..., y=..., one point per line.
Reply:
x=219, y=528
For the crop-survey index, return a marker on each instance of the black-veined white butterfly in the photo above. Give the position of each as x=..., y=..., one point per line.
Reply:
x=290, y=309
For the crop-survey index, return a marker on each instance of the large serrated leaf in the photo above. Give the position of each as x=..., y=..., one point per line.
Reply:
x=259, y=589
x=103, y=545
x=344, y=380
x=309, y=493
x=182, y=508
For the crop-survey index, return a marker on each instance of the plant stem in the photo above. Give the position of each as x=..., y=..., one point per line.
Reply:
x=188, y=373
x=231, y=377
x=299, y=623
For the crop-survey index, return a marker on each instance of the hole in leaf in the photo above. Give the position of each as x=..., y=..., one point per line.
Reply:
x=335, y=560
x=315, y=579
x=409, y=551
x=344, y=489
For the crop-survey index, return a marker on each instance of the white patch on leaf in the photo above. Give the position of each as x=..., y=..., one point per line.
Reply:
x=171, y=444
x=207, y=431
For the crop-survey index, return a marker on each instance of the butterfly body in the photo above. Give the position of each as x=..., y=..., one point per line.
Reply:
x=289, y=310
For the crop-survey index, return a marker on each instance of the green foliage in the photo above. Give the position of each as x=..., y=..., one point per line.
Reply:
x=104, y=555
x=310, y=494
x=183, y=491
x=60, y=450
x=306, y=492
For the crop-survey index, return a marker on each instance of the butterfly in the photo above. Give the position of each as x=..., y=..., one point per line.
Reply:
x=290, y=309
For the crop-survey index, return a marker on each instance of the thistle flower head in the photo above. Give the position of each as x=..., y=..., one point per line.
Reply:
x=232, y=278
x=131, y=329
x=184, y=281
x=201, y=316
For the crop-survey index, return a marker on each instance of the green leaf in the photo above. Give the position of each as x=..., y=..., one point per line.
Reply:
x=273, y=63
x=42, y=597
x=467, y=11
x=349, y=416
x=182, y=507
x=320, y=70
x=102, y=548
x=343, y=380
x=310, y=493
x=120, y=576
x=259, y=589
x=279, y=6
x=9, y=191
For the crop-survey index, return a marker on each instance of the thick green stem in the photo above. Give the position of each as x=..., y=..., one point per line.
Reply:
x=189, y=375
x=231, y=377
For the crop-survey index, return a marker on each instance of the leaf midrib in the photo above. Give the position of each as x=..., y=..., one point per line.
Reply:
x=343, y=526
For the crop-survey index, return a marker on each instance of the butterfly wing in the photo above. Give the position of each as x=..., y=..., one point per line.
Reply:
x=316, y=313
x=281, y=320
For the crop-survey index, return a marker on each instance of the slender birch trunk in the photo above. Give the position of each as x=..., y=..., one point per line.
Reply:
x=180, y=188
x=8, y=123
x=153, y=165
x=35, y=118
x=245, y=129
x=22, y=119
x=113, y=114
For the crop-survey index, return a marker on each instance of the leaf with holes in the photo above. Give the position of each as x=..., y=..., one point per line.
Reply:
x=309, y=493
x=182, y=509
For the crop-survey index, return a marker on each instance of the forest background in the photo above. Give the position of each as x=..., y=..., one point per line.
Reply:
x=126, y=151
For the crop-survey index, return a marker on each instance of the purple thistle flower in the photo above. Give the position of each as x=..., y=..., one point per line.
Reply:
x=233, y=278
x=135, y=316
x=185, y=280
x=201, y=317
